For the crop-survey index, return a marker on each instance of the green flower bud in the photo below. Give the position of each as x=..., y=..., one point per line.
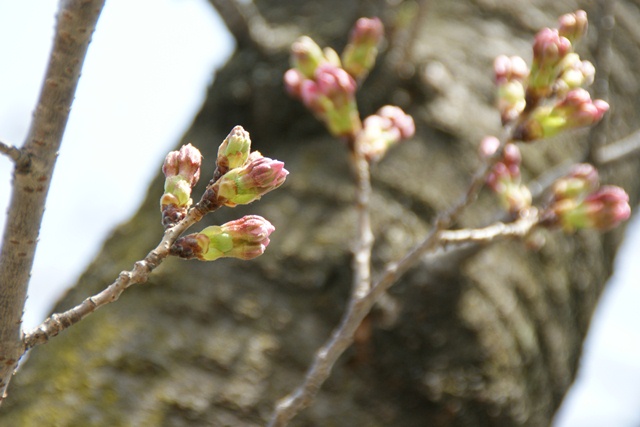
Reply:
x=234, y=150
x=245, y=238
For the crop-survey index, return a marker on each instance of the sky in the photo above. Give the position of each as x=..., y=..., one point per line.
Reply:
x=144, y=79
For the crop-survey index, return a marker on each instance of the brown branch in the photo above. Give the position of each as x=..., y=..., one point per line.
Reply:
x=364, y=239
x=358, y=307
x=76, y=22
x=249, y=28
x=15, y=154
x=625, y=148
x=605, y=24
x=55, y=324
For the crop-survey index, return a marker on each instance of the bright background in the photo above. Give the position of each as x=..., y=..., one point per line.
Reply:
x=143, y=81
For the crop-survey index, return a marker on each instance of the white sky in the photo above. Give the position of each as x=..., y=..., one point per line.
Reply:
x=143, y=80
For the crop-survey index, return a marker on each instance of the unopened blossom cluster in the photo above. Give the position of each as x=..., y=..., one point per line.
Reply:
x=240, y=177
x=326, y=83
x=539, y=102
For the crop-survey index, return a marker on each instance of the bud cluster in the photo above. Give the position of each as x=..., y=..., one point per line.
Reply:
x=245, y=238
x=383, y=130
x=505, y=178
x=578, y=201
x=182, y=171
x=241, y=177
x=326, y=83
x=550, y=97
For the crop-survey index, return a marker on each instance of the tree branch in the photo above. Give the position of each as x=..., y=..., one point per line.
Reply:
x=360, y=305
x=12, y=152
x=75, y=25
x=139, y=274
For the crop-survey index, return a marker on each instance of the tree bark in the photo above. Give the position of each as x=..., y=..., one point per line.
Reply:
x=491, y=338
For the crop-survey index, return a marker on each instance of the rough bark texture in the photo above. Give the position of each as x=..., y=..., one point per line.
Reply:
x=491, y=341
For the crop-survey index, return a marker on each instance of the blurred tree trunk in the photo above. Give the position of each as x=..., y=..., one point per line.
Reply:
x=491, y=340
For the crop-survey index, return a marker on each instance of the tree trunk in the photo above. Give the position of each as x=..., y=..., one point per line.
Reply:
x=491, y=338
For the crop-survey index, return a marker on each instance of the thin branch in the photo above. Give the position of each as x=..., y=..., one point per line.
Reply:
x=622, y=149
x=55, y=324
x=605, y=24
x=12, y=152
x=249, y=28
x=76, y=22
x=342, y=337
x=364, y=242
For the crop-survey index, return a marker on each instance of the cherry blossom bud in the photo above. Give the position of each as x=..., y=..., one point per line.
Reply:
x=359, y=55
x=573, y=25
x=382, y=130
x=182, y=171
x=234, y=150
x=248, y=183
x=510, y=74
x=306, y=56
x=293, y=82
x=504, y=178
x=580, y=181
x=245, y=238
x=574, y=73
x=488, y=146
x=603, y=210
x=549, y=48
x=574, y=111
x=331, y=97
x=185, y=162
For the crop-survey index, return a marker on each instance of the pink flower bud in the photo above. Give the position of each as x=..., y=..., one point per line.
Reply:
x=182, y=171
x=185, y=163
x=293, y=82
x=245, y=238
x=603, y=209
x=607, y=207
x=504, y=178
x=549, y=48
x=508, y=68
x=234, y=150
x=488, y=146
x=580, y=181
x=574, y=111
x=360, y=53
x=306, y=56
x=382, y=130
x=248, y=183
x=331, y=97
x=573, y=25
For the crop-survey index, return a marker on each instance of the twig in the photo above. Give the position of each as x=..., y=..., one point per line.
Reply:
x=75, y=25
x=603, y=54
x=12, y=152
x=55, y=324
x=342, y=337
x=624, y=148
x=364, y=242
x=249, y=27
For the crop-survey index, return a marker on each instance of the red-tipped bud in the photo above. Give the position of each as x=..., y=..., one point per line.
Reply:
x=580, y=181
x=243, y=185
x=245, y=238
x=182, y=171
x=549, y=49
x=603, y=210
x=573, y=25
x=359, y=55
x=185, y=162
x=331, y=97
x=306, y=56
x=504, y=178
x=234, y=150
x=574, y=111
x=382, y=130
